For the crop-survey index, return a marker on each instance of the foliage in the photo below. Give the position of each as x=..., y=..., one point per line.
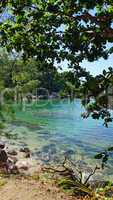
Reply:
x=83, y=21
x=54, y=31
x=100, y=90
x=104, y=156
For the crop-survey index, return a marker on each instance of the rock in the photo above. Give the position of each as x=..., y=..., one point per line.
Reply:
x=51, y=149
x=24, y=168
x=2, y=145
x=12, y=152
x=45, y=158
x=13, y=159
x=22, y=164
x=3, y=156
x=27, y=155
x=25, y=150
x=69, y=152
x=23, y=144
x=11, y=167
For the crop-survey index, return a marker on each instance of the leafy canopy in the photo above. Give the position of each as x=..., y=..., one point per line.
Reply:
x=54, y=30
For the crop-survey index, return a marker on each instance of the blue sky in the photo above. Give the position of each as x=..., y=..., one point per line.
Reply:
x=98, y=66
x=95, y=67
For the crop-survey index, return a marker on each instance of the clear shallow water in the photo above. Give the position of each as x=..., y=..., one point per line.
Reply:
x=55, y=129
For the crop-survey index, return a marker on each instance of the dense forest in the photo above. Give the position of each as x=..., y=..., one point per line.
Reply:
x=27, y=76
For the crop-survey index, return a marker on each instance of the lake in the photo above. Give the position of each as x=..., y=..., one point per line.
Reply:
x=55, y=129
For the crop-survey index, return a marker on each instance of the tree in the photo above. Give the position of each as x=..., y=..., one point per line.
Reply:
x=35, y=27
x=52, y=31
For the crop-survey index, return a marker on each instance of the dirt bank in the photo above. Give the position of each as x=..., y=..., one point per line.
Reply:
x=23, y=189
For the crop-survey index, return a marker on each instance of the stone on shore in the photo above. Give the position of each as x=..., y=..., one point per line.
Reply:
x=3, y=156
x=22, y=165
x=2, y=145
x=12, y=152
x=25, y=150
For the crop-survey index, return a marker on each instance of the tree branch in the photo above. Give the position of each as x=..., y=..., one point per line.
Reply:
x=90, y=175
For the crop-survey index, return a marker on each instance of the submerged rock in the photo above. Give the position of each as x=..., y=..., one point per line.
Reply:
x=45, y=158
x=27, y=155
x=12, y=152
x=46, y=154
x=22, y=145
x=25, y=150
x=51, y=149
x=11, y=135
x=69, y=152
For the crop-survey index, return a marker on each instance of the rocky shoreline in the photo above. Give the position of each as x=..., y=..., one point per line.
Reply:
x=17, y=161
x=20, y=162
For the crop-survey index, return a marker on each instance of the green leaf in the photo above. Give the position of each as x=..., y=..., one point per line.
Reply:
x=99, y=156
x=110, y=149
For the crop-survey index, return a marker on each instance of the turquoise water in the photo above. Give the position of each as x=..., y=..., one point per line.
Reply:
x=55, y=129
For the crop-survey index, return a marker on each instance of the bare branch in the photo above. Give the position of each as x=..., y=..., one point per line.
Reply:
x=90, y=175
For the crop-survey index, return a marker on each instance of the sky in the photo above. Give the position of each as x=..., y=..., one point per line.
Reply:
x=97, y=67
